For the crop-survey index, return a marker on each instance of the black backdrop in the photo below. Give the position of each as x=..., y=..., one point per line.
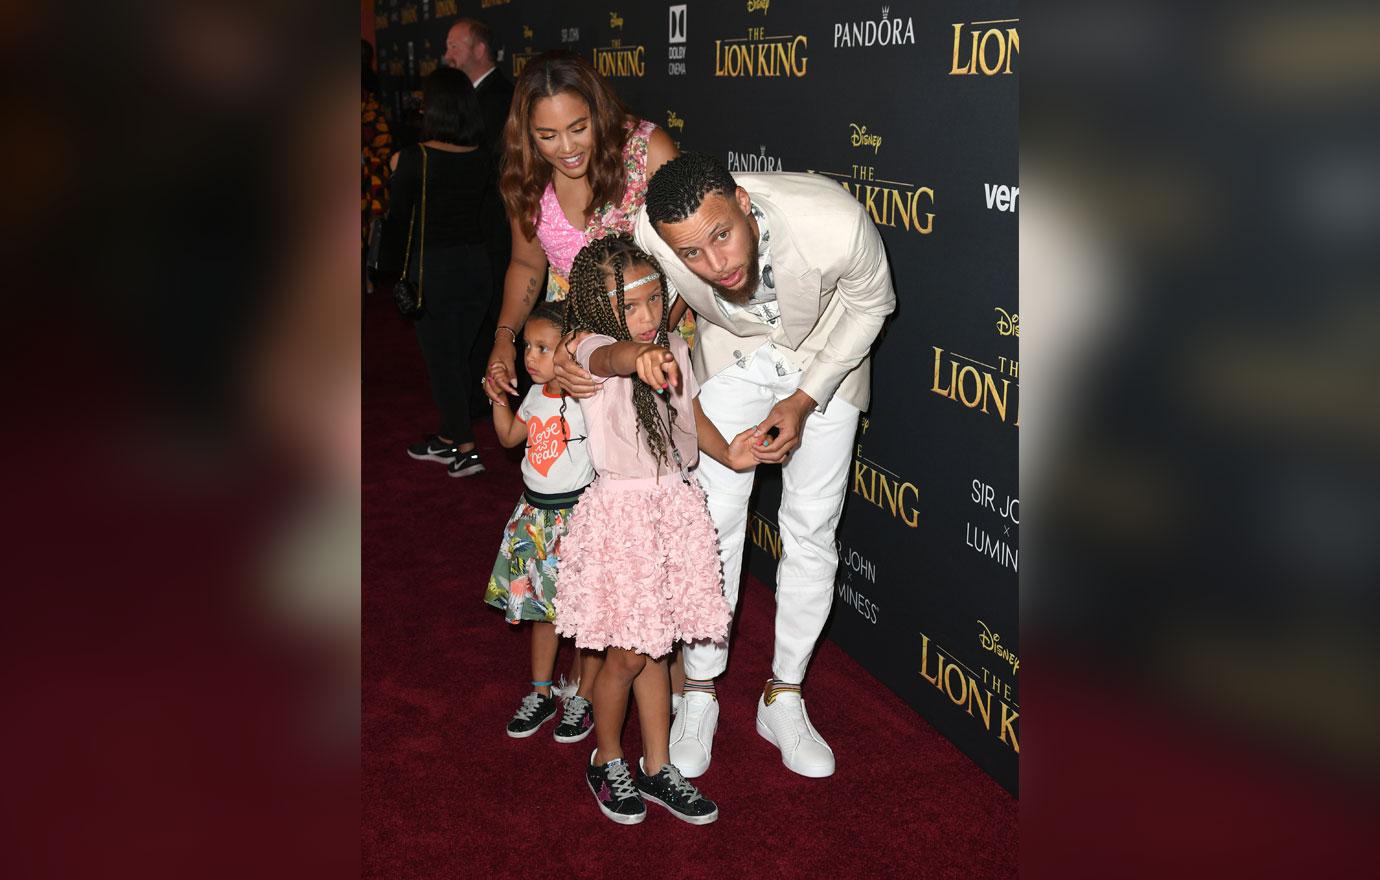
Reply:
x=913, y=107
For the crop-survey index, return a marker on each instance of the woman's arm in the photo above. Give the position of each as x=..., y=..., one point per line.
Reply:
x=660, y=150
x=522, y=287
x=677, y=312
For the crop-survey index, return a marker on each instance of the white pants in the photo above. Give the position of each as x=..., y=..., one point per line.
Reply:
x=814, y=481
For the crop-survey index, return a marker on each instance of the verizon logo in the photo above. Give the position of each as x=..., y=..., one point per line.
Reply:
x=1001, y=197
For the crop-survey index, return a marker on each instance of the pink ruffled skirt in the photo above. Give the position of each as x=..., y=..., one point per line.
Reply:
x=640, y=568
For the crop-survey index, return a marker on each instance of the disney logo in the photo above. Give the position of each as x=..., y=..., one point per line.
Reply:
x=991, y=641
x=862, y=139
x=674, y=121
x=1008, y=325
x=615, y=20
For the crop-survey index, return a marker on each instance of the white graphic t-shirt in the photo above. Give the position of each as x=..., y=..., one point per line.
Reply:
x=556, y=459
x=762, y=305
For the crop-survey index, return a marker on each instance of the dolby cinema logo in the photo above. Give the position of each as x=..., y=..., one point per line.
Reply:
x=677, y=34
x=675, y=52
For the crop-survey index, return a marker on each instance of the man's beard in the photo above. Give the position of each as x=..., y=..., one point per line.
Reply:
x=753, y=278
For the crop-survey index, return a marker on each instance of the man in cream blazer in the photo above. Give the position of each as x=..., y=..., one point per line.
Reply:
x=790, y=287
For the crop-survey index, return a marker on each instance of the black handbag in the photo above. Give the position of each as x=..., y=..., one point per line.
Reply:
x=406, y=295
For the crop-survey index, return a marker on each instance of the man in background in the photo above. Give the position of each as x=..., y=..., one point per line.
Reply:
x=469, y=47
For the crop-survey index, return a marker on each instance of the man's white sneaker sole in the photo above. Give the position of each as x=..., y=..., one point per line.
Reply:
x=815, y=772
x=692, y=755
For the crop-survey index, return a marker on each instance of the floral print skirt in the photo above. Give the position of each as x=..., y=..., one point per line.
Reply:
x=523, y=582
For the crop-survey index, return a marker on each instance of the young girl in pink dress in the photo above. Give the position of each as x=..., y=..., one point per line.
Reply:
x=640, y=568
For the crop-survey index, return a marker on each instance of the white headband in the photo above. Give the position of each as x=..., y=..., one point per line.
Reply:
x=638, y=283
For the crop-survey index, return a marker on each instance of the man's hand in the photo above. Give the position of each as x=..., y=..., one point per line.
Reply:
x=788, y=417
x=573, y=379
x=500, y=377
x=658, y=368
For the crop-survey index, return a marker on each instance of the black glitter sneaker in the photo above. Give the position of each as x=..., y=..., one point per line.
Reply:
x=433, y=448
x=677, y=794
x=615, y=790
x=466, y=464
x=536, y=710
x=576, y=721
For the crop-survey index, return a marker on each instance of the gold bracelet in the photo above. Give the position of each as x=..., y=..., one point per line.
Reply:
x=510, y=331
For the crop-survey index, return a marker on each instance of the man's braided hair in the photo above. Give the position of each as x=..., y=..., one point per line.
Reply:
x=678, y=188
x=588, y=308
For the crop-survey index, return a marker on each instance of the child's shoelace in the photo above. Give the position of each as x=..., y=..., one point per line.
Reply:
x=681, y=784
x=529, y=706
x=574, y=709
x=621, y=781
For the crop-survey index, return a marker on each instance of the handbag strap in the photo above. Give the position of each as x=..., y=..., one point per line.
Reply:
x=421, y=245
x=407, y=249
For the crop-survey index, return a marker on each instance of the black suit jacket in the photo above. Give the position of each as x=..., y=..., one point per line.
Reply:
x=495, y=94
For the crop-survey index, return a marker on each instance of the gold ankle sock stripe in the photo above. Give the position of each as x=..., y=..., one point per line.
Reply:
x=700, y=686
x=775, y=688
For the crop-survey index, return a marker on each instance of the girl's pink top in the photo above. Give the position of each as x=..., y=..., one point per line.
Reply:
x=617, y=442
x=562, y=242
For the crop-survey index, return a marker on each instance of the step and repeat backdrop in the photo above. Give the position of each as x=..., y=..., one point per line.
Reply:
x=911, y=107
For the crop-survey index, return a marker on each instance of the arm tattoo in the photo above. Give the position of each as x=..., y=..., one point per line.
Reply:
x=531, y=294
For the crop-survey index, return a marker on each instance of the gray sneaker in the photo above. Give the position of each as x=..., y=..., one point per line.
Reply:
x=576, y=721
x=677, y=794
x=615, y=791
x=536, y=710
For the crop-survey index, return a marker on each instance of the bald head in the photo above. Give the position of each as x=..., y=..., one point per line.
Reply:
x=469, y=47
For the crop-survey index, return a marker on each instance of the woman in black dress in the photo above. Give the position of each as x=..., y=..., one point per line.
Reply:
x=453, y=270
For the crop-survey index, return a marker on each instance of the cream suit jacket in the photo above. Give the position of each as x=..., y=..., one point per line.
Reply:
x=833, y=287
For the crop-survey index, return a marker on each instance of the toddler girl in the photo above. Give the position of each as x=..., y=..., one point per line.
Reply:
x=555, y=470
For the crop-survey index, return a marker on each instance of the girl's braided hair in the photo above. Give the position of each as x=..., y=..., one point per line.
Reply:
x=588, y=309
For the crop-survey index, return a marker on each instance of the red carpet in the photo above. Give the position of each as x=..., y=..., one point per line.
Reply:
x=448, y=794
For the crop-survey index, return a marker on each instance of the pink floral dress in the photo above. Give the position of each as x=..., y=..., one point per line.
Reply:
x=562, y=242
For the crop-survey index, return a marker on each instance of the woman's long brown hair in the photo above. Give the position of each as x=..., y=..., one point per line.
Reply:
x=525, y=172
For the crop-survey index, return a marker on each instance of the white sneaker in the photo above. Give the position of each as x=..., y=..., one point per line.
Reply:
x=785, y=725
x=676, y=700
x=692, y=734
